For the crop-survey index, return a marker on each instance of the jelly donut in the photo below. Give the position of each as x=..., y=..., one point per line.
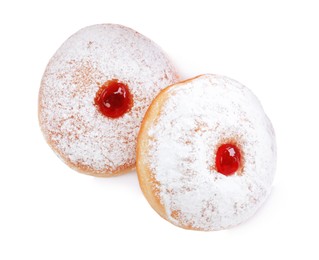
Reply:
x=94, y=94
x=206, y=153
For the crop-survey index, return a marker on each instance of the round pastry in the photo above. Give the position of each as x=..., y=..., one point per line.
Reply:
x=206, y=153
x=94, y=93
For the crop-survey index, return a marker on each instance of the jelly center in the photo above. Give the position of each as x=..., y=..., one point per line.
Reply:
x=113, y=99
x=228, y=159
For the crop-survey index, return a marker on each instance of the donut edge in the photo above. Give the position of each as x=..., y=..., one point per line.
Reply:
x=147, y=181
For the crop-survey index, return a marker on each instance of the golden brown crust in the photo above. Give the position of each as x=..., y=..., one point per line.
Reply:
x=148, y=183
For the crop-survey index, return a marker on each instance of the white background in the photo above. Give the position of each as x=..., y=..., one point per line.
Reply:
x=48, y=211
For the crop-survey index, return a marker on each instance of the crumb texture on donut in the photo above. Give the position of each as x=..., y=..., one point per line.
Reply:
x=177, y=145
x=71, y=123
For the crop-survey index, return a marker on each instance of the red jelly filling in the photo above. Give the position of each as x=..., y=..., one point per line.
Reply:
x=228, y=159
x=113, y=99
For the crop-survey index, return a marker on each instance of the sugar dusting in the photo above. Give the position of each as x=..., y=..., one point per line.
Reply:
x=197, y=117
x=71, y=123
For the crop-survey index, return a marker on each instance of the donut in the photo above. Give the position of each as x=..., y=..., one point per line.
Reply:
x=94, y=93
x=206, y=153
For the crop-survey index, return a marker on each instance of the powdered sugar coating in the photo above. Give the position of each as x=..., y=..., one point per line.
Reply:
x=71, y=123
x=194, y=120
